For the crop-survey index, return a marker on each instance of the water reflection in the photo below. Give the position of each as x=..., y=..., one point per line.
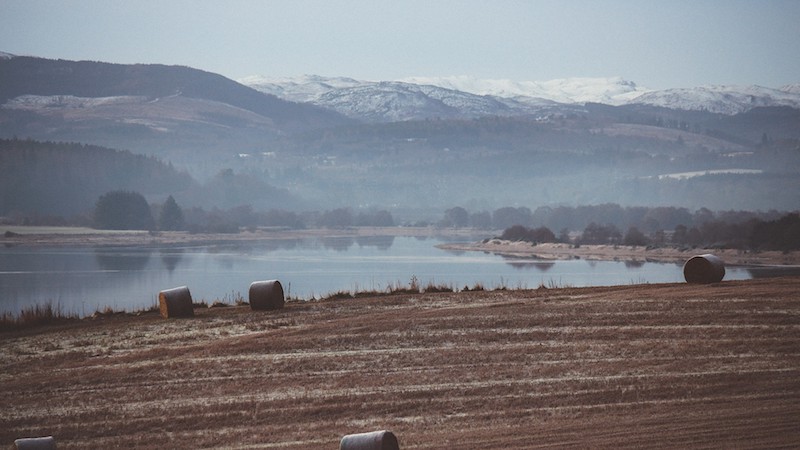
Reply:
x=634, y=264
x=379, y=242
x=771, y=272
x=171, y=258
x=542, y=265
x=338, y=244
x=118, y=260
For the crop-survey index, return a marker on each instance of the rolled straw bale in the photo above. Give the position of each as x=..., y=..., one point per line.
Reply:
x=38, y=443
x=704, y=269
x=266, y=295
x=175, y=302
x=375, y=440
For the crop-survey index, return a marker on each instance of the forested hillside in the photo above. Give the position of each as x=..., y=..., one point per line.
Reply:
x=66, y=178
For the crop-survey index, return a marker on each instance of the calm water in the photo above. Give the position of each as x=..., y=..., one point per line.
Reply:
x=83, y=280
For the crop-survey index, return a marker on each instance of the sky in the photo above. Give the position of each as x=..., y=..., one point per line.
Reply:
x=657, y=44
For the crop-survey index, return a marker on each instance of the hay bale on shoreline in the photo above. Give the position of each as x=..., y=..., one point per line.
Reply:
x=375, y=440
x=266, y=295
x=37, y=443
x=704, y=269
x=175, y=302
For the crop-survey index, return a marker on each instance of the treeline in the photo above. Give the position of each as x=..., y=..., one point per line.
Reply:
x=64, y=179
x=646, y=219
x=58, y=183
x=782, y=234
x=234, y=219
x=124, y=210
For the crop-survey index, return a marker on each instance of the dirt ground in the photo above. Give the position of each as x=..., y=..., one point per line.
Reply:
x=654, y=366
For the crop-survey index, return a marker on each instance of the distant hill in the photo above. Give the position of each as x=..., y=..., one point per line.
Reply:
x=45, y=77
x=148, y=108
x=51, y=179
x=64, y=179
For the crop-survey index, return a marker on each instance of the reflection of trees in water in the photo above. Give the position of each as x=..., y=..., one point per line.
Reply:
x=249, y=248
x=633, y=264
x=171, y=258
x=278, y=244
x=128, y=260
x=772, y=272
x=339, y=244
x=523, y=264
x=379, y=242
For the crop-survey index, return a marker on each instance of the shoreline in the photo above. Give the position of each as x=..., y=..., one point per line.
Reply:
x=58, y=237
x=560, y=251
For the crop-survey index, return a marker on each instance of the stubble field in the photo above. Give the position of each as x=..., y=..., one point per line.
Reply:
x=657, y=366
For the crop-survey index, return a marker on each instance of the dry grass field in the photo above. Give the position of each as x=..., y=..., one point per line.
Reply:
x=654, y=366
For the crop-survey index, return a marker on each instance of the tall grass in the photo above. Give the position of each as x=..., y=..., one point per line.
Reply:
x=36, y=315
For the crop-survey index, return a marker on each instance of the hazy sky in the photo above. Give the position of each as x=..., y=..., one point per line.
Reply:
x=658, y=44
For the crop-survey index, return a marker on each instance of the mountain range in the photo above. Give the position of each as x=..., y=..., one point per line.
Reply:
x=420, y=98
x=418, y=144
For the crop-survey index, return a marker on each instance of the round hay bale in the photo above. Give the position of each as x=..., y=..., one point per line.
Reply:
x=38, y=443
x=175, y=302
x=266, y=295
x=704, y=269
x=375, y=440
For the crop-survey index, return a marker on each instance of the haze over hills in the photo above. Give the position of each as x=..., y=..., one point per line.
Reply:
x=418, y=146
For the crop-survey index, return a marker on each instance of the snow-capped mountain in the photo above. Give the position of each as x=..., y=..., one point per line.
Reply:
x=722, y=99
x=302, y=89
x=611, y=91
x=468, y=97
x=387, y=101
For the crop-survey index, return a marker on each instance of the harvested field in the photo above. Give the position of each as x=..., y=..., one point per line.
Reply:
x=657, y=366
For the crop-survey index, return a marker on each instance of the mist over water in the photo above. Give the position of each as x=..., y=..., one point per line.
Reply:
x=85, y=280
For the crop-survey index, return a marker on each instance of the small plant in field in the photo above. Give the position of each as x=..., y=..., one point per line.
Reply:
x=431, y=287
x=339, y=295
x=413, y=285
x=476, y=287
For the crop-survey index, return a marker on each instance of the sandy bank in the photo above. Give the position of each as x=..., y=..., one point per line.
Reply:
x=621, y=253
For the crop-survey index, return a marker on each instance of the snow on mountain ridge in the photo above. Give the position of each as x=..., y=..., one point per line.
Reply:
x=791, y=88
x=722, y=99
x=468, y=97
x=302, y=89
x=612, y=90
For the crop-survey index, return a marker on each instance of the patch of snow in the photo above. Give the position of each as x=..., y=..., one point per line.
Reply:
x=66, y=101
x=4, y=55
x=791, y=88
x=700, y=173
x=612, y=90
x=304, y=89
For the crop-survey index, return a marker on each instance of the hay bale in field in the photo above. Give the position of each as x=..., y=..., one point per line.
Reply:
x=704, y=269
x=375, y=440
x=38, y=443
x=266, y=295
x=175, y=302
